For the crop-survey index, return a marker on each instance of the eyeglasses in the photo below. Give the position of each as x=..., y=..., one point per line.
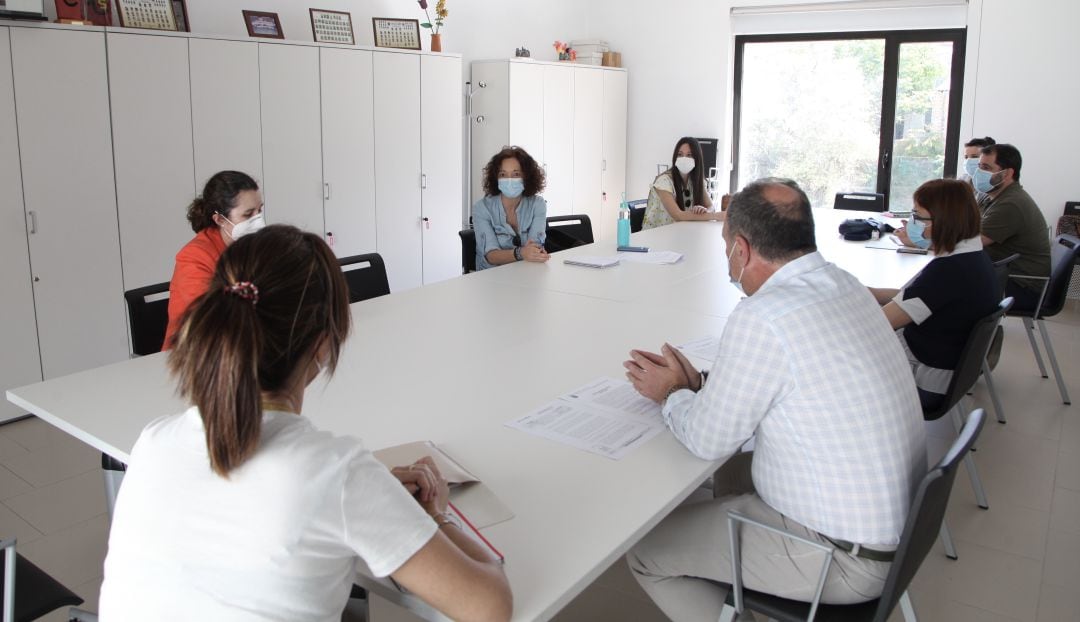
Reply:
x=915, y=216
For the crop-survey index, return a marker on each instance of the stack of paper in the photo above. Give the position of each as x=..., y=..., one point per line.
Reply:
x=591, y=261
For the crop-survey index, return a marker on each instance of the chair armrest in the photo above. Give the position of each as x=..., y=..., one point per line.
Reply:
x=1042, y=293
x=736, y=558
x=8, y=546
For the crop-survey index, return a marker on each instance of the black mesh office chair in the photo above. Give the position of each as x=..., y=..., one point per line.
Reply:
x=366, y=276
x=148, y=314
x=1063, y=255
x=468, y=250
x=637, y=214
x=36, y=593
x=861, y=201
x=923, y=522
x=565, y=232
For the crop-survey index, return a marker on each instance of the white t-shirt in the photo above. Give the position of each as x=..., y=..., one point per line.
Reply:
x=278, y=540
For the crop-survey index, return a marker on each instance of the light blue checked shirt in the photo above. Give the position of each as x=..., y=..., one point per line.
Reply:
x=809, y=366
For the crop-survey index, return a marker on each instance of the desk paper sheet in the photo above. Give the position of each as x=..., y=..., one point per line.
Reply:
x=605, y=417
x=705, y=348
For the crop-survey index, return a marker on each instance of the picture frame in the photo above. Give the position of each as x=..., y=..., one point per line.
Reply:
x=331, y=26
x=149, y=14
x=263, y=24
x=183, y=24
x=393, y=32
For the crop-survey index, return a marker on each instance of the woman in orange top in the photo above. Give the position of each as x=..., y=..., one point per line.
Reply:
x=229, y=208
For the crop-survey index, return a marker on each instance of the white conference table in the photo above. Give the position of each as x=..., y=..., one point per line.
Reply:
x=452, y=362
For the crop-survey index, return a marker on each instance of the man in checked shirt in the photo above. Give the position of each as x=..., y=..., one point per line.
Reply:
x=809, y=367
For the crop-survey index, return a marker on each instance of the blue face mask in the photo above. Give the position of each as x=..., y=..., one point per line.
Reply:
x=512, y=186
x=970, y=166
x=915, y=229
x=737, y=282
x=981, y=180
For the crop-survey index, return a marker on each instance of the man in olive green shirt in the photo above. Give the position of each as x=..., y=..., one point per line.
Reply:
x=1012, y=223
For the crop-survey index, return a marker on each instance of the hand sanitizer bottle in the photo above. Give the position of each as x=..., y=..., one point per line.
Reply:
x=624, y=223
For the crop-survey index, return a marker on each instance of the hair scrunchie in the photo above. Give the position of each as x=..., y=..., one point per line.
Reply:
x=244, y=289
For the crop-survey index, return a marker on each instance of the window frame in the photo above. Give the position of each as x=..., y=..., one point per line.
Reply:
x=893, y=40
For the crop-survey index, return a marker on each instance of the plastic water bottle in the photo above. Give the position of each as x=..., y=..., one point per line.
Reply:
x=624, y=223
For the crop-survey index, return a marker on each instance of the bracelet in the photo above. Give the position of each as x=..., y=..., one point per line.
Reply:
x=704, y=377
x=674, y=388
x=445, y=518
x=517, y=253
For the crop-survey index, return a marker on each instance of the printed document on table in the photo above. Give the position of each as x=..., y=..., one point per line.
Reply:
x=605, y=417
x=705, y=348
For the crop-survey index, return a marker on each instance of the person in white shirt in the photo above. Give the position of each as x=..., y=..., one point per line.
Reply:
x=809, y=367
x=239, y=509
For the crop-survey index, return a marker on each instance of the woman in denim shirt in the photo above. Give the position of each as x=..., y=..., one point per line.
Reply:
x=511, y=219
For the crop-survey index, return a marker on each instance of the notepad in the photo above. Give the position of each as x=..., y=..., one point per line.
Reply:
x=591, y=261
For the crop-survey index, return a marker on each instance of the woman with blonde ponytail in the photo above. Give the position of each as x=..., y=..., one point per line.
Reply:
x=238, y=508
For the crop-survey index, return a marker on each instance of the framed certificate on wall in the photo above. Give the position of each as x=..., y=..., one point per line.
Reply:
x=396, y=33
x=152, y=14
x=331, y=26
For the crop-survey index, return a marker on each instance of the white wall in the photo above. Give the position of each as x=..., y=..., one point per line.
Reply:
x=1021, y=84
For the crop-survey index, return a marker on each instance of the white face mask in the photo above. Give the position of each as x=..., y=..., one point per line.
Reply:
x=684, y=164
x=737, y=282
x=246, y=227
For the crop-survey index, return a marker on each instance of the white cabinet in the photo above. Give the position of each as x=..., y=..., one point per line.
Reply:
x=155, y=171
x=348, y=143
x=62, y=103
x=440, y=149
x=559, y=139
x=20, y=363
x=291, y=135
x=613, y=179
x=571, y=118
x=225, y=117
x=588, y=144
x=397, y=169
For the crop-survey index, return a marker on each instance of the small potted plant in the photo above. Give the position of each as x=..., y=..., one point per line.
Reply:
x=434, y=25
x=564, y=51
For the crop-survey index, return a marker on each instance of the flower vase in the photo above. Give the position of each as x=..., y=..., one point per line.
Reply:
x=436, y=42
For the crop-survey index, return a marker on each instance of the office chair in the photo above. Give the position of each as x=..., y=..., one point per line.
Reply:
x=30, y=593
x=148, y=314
x=1001, y=271
x=637, y=214
x=925, y=517
x=861, y=201
x=565, y=232
x=1064, y=252
x=366, y=276
x=468, y=250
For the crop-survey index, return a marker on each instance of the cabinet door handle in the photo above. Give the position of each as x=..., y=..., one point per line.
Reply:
x=326, y=191
x=427, y=222
x=33, y=222
x=603, y=165
x=423, y=181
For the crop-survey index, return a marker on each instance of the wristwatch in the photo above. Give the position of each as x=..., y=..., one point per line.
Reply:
x=517, y=253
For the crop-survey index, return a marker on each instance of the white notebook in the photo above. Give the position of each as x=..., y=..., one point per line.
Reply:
x=591, y=261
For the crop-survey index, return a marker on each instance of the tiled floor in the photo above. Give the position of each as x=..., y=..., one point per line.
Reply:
x=1018, y=561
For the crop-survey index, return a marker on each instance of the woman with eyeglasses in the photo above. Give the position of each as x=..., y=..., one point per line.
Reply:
x=239, y=508
x=511, y=219
x=935, y=311
x=679, y=193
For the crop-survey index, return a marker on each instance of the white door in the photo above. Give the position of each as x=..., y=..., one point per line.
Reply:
x=559, y=139
x=226, y=123
x=397, y=167
x=155, y=172
x=614, y=176
x=348, y=138
x=527, y=108
x=292, y=180
x=20, y=362
x=588, y=144
x=440, y=149
x=62, y=99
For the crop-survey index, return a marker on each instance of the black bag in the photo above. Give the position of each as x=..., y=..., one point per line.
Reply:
x=856, y=229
